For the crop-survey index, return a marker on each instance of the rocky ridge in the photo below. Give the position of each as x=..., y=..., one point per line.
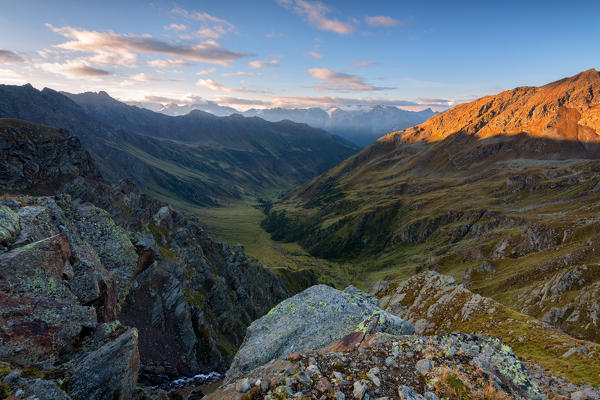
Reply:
x=84, y=259
x=437, y=304
x=367, y=360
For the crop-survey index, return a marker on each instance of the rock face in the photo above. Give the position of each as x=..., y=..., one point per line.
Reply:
x=312, y=319
x=109, y=373
x=92, y=253
x=381, y=366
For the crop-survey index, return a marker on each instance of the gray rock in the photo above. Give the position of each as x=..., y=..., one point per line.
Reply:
x=243, y=386
x=314, y=318
x=9, y=226
x=423, y=367
x=359, y=390
x=109, y=373
x=430, y=396
x=406, y=393
x=42, y=390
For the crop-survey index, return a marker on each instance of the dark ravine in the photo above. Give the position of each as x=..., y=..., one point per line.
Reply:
x=130, y=274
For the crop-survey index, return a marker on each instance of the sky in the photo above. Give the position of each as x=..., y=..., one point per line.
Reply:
x=296, y=53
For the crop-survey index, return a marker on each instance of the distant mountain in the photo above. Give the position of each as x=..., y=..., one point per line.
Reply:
x=173, y=109
x=503, y=192
x=361, y=126
x=199, y=158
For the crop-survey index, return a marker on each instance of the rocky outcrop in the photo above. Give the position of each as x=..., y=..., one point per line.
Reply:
x=314, y=318
x=436, y=304
x=109, y=373
x=380, y=366
x=93, y=252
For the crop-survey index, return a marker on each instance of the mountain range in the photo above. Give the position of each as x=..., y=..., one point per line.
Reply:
x=197, y=158
x=503, y=193
x=362, y=125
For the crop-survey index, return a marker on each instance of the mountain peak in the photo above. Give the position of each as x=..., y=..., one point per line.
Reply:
x=567, y=109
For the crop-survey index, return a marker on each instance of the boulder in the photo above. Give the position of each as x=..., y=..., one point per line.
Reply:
x=314, y=318
x=109, y=373
x=9, y=226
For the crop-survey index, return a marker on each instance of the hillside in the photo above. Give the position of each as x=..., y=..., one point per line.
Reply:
x=502, y=193
x=199, y=159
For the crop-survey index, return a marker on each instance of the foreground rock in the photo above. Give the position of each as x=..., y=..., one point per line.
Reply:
x=314, y=318
x=382, y=366
x=436, y=304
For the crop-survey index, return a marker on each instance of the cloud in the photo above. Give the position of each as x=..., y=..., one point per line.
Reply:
x=382, y=20
x=212, y=85
x=315, y=55
x=142, y=77
x=211, y=26
x=10, y=57
x=241, y=73
x=273, y=35
x=73, y=69
x=206, y=71
x=117, y=49
x=315, y=14
x=341, y=82
x=176, y=27
x=168, y=63
x=364, y=63
x=263, y=64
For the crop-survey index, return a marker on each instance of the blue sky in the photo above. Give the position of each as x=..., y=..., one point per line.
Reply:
x=296, y=53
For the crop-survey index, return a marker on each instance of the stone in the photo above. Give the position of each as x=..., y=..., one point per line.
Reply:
x=324, y=386
x=359, y=390
x=109, y=373
x=9, y=226
x=314, y=318
x=373, y=375
x=423, y=367
x=312, y=370
x=406, y=393
x=243, y=386
x=340, y=396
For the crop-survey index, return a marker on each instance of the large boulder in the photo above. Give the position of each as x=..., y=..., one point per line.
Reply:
x=109, y=373
x=314, y=318
x=40, y=316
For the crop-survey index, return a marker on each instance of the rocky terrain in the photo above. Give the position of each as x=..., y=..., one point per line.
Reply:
x=436, y=304
x=96, y=276
x=376, y=358
x=501, y=193
x=198, y=159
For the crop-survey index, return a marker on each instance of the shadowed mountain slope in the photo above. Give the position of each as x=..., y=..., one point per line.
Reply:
x=198, y=158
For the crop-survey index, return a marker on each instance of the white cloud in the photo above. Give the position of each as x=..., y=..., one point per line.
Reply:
x=9, y=57
x=241, y=73
x=142, y=77
x=168, y=63
x=315, y=13
x=211, y=26
x=315, y=55
x=73, y=69
x=117, y=49
x=364, y=63
x=212, y=85
x=341, y=82
x=263, y=64
x=383, y=20
x=206, y=71
x=176, y=27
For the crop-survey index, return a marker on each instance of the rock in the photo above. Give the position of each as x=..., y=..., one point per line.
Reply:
x=406, y=393
x=314, y=318
x=9, y=226
x=40, y=313
x=340, y=396
x=42, y=390
x=324, y=386
x=373, y=375
x=243, y=386
x=108, y=373
x=423, y=367
x=313, y=370
x=359, y=390
x=430, y=396
x=486, y=267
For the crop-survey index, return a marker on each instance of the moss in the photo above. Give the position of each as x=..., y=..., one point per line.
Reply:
x=33, y=373
x=5, y=390
x=253, y=394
